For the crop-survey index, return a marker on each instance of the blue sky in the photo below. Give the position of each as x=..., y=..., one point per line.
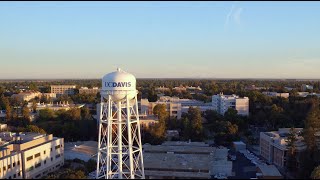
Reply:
x=160, y=39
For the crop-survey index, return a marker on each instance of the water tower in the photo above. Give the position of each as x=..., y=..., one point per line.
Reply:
x=119, y=143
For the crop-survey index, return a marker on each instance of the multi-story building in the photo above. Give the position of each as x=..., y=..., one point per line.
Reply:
x=29, y=155
x=85, y=90
x=63, y=89
x=273, y=145
x=276, y=94
x=27, y=96
x=221, y=103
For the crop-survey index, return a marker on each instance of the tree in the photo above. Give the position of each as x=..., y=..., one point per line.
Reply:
x=85, y=113
x=194, y=115
x=34, y=128
x=26, y=113
x=46, y=114
x=316, y=173
x=8, y=112
x=160, y=111
x=291, y=145
x=34, y=106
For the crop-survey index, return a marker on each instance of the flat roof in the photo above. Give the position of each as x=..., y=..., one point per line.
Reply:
x=269, y=170
x=178, y=149
x=184, y=143
x=173, y=162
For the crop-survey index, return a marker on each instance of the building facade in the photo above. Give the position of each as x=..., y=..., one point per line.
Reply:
x=221, y=103
x=27, y=96
x=63, y=89
x=276, y=94
x=273, y=145
x=85, y=90
x=30, y=155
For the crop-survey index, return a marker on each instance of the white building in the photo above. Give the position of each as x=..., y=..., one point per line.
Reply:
x=221, y=103
x=276, y=94
x=29, y=155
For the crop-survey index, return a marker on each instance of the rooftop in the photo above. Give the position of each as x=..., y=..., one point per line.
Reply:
x=269, y=170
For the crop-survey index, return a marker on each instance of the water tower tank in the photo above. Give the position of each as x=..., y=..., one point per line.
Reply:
x=118, y=84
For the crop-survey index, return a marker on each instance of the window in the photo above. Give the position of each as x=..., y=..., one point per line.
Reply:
x=9, y=177
x=57, y=156
x=9, y=166
x=51, y=149
x=4, y=168
x=51, y=159
x=38, y=165
x=18, y=163
x=14, y=176
x=57, y=147
x=45, y=161
x=38, y=176
x=19, y=173
x=14, y=164
x=44, y=152
x=57, y=165
x=29, y=158
x=36, y=155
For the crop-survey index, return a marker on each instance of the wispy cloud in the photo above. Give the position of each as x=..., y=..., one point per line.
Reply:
x=234, y=15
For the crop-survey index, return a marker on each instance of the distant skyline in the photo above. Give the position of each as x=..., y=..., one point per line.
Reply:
x=85, y=40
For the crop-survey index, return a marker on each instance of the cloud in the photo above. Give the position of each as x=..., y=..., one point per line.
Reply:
x=234, y=15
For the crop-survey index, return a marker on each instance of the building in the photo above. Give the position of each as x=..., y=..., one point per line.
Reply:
x=55, y=107
x=305, y=94
x=162, y=89
x=85, y=90
x=239, y=145
x=27, y=96
x=268, y=172
x=276, y=94
x=190, y=89
x=3, y=127
x=174, y=105
x=273, y=145
x=29, y=155
x=190, y=160
x=305, y=87
x=63, y=89
x=221, y=103
x=50, y=95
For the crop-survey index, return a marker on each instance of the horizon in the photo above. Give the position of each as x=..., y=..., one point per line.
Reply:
x=160, y=40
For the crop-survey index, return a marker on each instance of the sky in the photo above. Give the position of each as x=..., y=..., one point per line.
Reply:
x=239, y=39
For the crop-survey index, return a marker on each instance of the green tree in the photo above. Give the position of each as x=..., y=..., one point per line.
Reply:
x=26, y=113
x=46, y=114
x=194, y=115
x=85, y=113
x=291, y=145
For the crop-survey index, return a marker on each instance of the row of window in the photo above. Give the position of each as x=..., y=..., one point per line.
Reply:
x=45, y=161
x=9, y=166
x=15, y=175
x=44, y=152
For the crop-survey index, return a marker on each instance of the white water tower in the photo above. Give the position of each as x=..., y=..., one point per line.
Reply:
x=119, y=143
